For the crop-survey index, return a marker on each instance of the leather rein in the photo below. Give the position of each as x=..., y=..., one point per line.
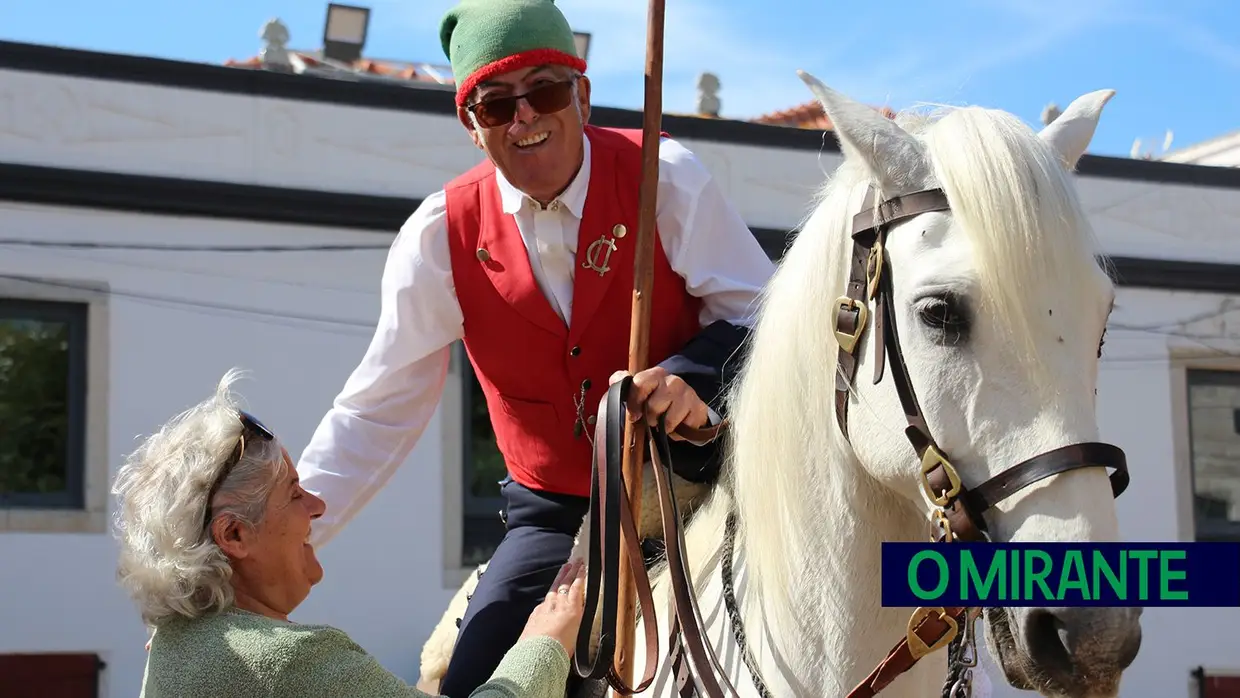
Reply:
x=958, y=514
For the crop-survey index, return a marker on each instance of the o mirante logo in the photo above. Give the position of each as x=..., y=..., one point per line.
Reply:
x=1061, y=574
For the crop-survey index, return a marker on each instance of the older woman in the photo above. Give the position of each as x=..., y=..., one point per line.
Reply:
x=214, y=529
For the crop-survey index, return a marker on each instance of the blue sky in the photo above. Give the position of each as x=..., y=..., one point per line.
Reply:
x=1174, y=63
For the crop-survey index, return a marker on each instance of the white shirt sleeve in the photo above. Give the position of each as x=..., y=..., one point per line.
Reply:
x=706, y=240
x=390, y=397
x=708, y=243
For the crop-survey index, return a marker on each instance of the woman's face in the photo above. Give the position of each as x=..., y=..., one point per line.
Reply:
x=278, y=565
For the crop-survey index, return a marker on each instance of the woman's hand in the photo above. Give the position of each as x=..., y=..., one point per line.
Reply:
x=559, y=615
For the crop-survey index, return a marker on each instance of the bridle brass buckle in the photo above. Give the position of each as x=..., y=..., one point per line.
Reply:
x=874, y=268
x=917, y=647
x=942, y=525
x=848, y=340
x=932, y=459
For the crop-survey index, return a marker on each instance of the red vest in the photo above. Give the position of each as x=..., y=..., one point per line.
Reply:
x=532, y=367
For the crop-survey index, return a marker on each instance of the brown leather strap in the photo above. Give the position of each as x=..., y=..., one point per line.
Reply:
x=645, y=602
x=610, y=504
x=897, y=209
x=851, y=312
x=701, y=654
x=933, y=629
x=700, y=434
x=609, y=515
x=1018, y=477
x=868, y=272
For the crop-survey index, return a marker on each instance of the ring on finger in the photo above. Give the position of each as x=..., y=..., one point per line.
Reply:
x=563, y=589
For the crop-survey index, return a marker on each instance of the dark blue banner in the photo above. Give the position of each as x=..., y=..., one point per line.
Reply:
x=1061, y=574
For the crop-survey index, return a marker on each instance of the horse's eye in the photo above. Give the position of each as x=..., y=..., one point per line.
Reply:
x=947, y=316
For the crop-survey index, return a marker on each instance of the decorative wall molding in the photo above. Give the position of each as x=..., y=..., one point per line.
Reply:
x=51, y=60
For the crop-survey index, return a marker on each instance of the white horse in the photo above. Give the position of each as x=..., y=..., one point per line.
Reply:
x=1001, y=308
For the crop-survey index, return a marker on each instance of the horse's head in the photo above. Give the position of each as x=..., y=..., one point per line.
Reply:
x=981, y=303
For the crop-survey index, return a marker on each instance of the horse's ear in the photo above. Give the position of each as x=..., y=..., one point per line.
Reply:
x=893, y=155
x=1071, y=133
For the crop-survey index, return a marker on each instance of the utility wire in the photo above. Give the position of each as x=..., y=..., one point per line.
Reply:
x=137, y=262
x=273, y=315
x=1162, y=328
x=292, y=319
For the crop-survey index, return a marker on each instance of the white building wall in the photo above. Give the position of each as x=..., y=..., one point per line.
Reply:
x=1221, y=151
x=178, y=321
x=105, y=125
x=385, y=582
x=1142, y=397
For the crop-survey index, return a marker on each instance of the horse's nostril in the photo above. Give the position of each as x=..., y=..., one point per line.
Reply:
x=1049, y=642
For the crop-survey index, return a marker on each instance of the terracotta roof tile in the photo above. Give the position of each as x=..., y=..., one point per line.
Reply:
x=415, y=72
x=807, y=115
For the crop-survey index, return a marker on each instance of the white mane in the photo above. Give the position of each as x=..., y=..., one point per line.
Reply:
x=788, y=464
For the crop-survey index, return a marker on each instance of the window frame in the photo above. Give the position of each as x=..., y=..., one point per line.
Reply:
x=480, y=516
x=466, y=518
x=1204, y=375
x=91, y=517
x=76, y=315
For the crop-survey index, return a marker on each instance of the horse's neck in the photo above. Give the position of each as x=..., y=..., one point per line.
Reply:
x=841, y=631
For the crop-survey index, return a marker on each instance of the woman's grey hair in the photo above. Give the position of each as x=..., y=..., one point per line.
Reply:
x=169, y=562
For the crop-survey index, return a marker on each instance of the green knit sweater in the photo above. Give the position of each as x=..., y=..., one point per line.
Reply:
x=237, y=654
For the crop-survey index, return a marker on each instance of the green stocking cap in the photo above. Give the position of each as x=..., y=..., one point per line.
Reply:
x=483, y=38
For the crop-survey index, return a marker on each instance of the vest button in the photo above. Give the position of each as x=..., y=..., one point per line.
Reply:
x=574, y=351
x=590, y=419
x=619, y=230
x=585, y=384
x=483, y=255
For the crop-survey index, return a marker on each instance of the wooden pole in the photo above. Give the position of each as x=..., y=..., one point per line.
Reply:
x=639, y=336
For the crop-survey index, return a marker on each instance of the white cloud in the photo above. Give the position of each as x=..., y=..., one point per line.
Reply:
x=876, y=56
x=935, y=67
x=1201, y=41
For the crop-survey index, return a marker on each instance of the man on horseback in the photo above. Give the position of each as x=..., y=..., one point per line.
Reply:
x=528, y=258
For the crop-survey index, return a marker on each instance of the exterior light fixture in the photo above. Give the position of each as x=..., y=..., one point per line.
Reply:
x=344, y=33
x=582, y=39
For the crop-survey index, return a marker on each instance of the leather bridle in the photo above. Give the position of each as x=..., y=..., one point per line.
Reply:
x=959, y=512
x=959, y=509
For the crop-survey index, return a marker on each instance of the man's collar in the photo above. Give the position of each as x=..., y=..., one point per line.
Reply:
x=574, y=197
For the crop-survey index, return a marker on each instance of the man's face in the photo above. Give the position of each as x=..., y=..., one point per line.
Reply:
x=535, y=140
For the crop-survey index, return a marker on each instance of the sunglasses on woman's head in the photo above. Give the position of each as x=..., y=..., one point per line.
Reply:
x=249, y=425
x=544, y=99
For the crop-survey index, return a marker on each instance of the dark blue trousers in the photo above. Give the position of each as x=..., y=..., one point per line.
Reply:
x=541, y=527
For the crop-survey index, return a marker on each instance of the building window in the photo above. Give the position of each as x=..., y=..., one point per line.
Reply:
x=1214, y=442
x=43, y=347
x=482, y=470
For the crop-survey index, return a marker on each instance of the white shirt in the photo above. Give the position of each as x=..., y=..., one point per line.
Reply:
x=390, y=397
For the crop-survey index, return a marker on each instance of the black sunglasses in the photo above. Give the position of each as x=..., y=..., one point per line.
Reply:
x=548, y=98
x=249, y=425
